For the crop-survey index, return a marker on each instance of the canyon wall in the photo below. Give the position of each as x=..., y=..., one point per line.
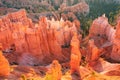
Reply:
x=35, y=43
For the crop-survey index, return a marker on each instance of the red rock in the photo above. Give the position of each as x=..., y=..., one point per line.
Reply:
x=106, y=68
x=115, y=55
x=67, y=35
x=75, y=54
x=43, y=41
x=93, y=53
x=20, y=16
x=6, y=38
x=101, y=31
x=54, y=73
x=4, y=65
x=54, y=47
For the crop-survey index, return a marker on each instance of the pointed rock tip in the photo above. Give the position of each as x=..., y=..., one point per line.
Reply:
x=103, y=15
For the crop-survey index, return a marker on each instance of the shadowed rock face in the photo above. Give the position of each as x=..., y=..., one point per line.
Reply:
x=101, y=31
x=92, y=53
x=38, y=43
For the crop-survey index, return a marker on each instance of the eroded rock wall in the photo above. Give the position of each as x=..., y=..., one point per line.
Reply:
x=35, y=43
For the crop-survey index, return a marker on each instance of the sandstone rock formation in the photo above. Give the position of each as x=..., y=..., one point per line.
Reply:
x=38, y=44
x=106, y=68
x=115, y=55
x=4, y=65
x=54, y=72
x=93, y=53
x=43, y=41
x=101, y=31
x=105, y=36
x=75, y=55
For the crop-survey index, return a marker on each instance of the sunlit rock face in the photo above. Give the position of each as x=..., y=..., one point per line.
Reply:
x=75, y=54
x=54, y=73
x=116, y=47
x=101, y=31
x=35, y=43
x=4, y=65
x=12, y=28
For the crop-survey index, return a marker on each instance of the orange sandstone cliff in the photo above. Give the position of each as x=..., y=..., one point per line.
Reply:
x=35, y=43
